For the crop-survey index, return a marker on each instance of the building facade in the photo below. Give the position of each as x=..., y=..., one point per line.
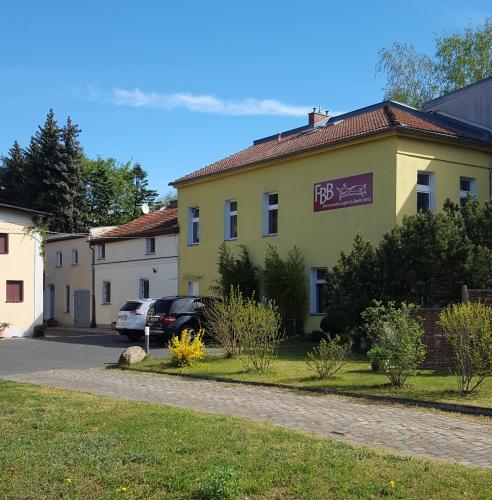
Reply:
x=21, y=272
x=67, y=294
x=135, y=260
x=317, y=186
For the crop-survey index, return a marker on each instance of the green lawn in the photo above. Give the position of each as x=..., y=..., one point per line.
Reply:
x=290, y=368
x=59, y=444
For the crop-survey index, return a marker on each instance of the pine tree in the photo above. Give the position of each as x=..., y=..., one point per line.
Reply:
x=73, y=158
x=49, y=179
x=13, y=178
x=141, y=194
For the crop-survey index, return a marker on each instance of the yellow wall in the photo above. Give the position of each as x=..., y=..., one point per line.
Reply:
x=448, y=163
x=320, y=236
x=22, y=263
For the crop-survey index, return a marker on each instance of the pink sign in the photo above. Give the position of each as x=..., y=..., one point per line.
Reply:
x=344, y=192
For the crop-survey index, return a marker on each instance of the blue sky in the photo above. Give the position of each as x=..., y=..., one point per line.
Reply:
x=177, y=85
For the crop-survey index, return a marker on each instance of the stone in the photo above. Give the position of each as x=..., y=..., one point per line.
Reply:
x=132, y=355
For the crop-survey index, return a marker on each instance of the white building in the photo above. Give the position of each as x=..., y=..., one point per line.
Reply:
x=136, y=260
x=21, y=272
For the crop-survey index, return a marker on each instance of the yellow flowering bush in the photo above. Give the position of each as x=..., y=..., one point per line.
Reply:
x=186, y=349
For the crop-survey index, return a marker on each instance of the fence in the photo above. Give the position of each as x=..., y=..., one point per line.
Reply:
x=438, y=351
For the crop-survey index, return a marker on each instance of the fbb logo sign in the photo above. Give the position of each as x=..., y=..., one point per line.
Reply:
x=343, y=192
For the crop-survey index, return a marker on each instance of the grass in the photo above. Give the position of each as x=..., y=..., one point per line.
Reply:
x=60, y=444
x=356, y=376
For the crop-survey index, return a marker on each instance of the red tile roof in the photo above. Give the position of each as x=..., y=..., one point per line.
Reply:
x=375, y=119
x=164, y=221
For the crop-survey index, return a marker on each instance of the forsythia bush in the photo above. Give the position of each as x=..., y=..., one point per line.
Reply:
x=186, y=349
x=327, y=358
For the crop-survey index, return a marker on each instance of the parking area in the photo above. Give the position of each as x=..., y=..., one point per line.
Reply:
x=67, y=349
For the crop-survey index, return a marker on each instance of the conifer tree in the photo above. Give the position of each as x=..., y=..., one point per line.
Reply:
x=13, y=177
x=141, y=193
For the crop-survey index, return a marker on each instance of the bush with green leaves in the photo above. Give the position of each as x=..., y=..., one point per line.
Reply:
x=259, y=329
x=329, y=356
x=467, y=328
x=397, y=333
x=221, y=483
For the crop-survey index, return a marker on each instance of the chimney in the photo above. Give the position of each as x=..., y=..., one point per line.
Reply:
x=316, y=116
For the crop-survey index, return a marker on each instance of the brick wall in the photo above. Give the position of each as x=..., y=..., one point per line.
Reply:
x=438, y=351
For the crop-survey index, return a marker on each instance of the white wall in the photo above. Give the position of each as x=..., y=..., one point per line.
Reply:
x=126, y=263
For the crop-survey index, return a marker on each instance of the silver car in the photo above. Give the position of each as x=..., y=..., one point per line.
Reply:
x=132, y=318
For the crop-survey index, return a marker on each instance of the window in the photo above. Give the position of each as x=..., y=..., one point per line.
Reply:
x=318, y=283
x=150, y=245
x=230, y=222
x=101, y=251
x=75, y=257
x=66, y=300
x=425, y=191
x=270, y=214
x=144, y=289
x=106, y=292
x=4, y=243
x=59, y=259
x=193, y=226
x=468, y=187
x=193, y=288
x=15, y=291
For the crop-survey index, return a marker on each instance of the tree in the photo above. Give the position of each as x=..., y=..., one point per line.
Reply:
x=236, y=274
x=141, y=193
x=73, y=160
x=285, y=283
x=352, y=285
x=49, y=182
x=13, y=176
x=460, y=58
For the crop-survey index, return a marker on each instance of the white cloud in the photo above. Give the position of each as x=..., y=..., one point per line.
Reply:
x=199, y=103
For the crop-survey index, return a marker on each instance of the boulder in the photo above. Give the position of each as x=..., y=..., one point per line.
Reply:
x=132, y=355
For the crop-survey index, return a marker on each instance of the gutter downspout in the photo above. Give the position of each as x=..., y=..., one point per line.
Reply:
x=93, y=291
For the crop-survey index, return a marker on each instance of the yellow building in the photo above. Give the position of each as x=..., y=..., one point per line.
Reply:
x=21, y=272
x=318, y=185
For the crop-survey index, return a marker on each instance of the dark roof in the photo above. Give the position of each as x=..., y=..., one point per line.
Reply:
x=22, y=209
x=164, y=221
x=472, y=87
x=376, y=119
x=68, y=236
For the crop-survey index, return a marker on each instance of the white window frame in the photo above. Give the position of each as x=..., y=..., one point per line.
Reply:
x=59, y=259
x=267, y=208
x=473, y=188
x=101, y=251
x=141, y=288
x=105, y=295
x=150, y=246
x=66, y=299
x=75, y=257
x=430, y=189
x=314, y=281
x=192, y=220
x=228, y=214
x=193, y=288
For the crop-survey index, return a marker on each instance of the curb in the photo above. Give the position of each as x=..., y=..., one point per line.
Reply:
x=447, y=407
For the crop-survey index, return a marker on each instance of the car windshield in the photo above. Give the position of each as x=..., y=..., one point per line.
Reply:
x=131, y=306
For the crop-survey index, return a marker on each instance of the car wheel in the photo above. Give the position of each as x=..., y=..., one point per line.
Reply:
x=191, y=331
x=134, y=336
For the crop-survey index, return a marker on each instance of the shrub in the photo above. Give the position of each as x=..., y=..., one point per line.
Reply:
x=329, y=357
x=258, y=327
x=186, y=349
x=397, y=334
x=375, y=354
x=221, y=325
x=468, y=330
x=221, y=483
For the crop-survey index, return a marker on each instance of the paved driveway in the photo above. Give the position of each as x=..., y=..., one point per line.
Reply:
x=66, y=349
